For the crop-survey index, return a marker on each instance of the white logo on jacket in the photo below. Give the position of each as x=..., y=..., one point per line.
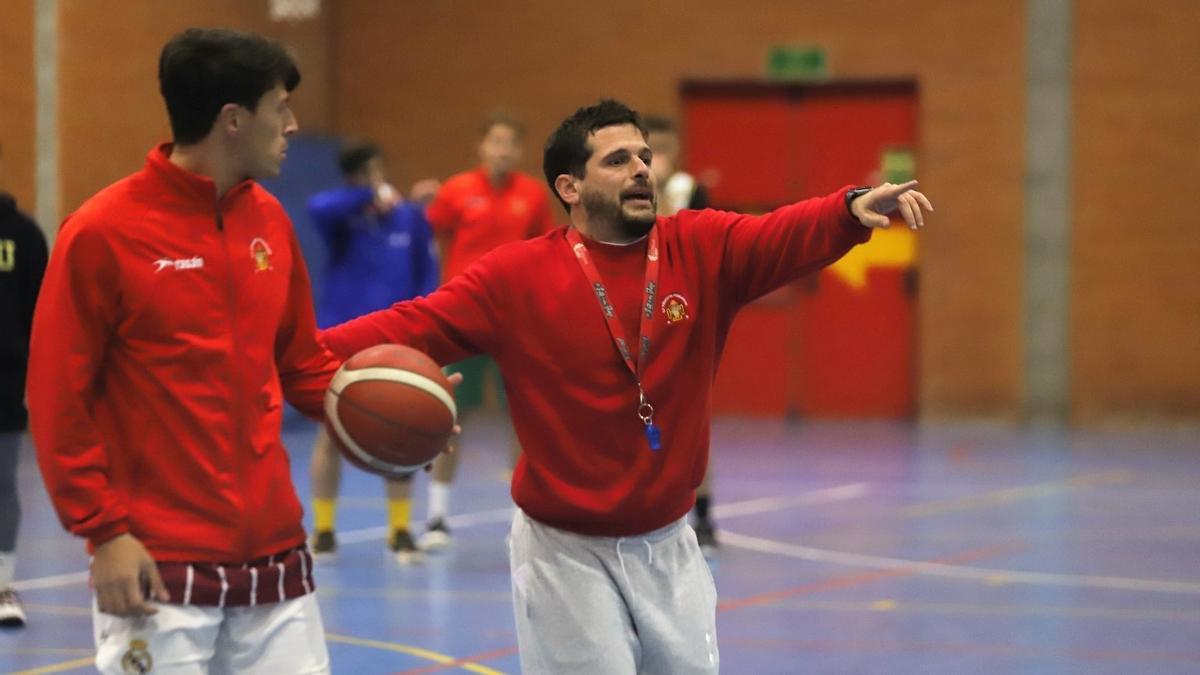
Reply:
x=181, y=264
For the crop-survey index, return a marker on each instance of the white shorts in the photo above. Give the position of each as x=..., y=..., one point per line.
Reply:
x=283, y=637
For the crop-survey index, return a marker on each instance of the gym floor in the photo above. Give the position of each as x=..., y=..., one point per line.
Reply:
x=846, y=548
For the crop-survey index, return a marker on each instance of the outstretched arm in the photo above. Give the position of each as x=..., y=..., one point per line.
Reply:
x=458, y=320
x=762, y=253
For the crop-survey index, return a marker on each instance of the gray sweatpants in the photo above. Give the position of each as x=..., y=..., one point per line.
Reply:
x=610, y=606
x=10, y=506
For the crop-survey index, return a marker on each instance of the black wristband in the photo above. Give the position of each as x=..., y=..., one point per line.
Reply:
x=855, y=193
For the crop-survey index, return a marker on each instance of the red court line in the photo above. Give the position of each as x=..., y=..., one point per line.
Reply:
x=972, y=649
x=458, y=663
x=850, y=580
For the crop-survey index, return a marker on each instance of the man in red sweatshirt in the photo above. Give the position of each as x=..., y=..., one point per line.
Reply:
x=608, y=333
x=175, y=317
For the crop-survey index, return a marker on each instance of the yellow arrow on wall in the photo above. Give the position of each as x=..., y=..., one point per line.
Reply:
x=894, y=247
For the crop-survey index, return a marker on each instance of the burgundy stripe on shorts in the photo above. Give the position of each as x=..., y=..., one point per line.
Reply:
x=275, y=578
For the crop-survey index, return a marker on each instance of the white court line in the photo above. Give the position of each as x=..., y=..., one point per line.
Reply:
x=51, y=582
x=765, y=504
x=502, y=515
x=957, y=571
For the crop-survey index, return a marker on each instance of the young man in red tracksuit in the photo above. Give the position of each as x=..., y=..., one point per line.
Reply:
x=608, y=333
x=175, y=317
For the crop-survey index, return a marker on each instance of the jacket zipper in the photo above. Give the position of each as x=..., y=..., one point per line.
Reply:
x=236, y=412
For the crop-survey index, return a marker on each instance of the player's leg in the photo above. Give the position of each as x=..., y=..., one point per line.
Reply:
x=673, y=601
x=570, y=616
x=400, y=541
x=445, y=466
x=468, y=397
x=178, y=640
x=325, y=472
x=11, y=613
x=705, y=526
x=280, y=637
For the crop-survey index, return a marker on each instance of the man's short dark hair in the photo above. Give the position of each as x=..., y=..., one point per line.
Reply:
x=354, y=157
x=503, y=119
x=657, y=124
x=567, y=150
x=202, y=69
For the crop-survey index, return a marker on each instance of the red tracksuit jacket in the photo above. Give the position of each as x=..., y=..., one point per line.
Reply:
x=586, y=465
x=170, y=328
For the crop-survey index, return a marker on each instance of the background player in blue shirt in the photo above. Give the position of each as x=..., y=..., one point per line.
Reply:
x=380, y=251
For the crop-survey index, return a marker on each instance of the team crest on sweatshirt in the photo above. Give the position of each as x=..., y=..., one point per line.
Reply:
x=675, y=307
x=260, y=253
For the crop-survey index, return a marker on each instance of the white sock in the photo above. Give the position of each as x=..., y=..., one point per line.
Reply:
x=439, y=500
x=8, y=567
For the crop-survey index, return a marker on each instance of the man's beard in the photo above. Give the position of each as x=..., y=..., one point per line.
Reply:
x=601, y=209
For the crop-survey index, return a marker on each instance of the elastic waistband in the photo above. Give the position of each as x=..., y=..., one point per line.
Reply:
x=653, y=536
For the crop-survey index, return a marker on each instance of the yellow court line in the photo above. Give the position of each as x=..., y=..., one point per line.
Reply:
x=436, y=657
x=1010, y=495
x=45, y=651
x=429, y=655
x=58, y=667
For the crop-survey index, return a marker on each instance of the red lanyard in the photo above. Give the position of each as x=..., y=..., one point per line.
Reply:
x=637, y=368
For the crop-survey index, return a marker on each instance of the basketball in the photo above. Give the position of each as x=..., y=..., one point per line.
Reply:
x=390, y=410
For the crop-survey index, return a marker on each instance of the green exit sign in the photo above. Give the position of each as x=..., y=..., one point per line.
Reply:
x=797, y=62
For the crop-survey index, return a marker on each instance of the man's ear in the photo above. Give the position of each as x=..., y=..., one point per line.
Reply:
x=567, y=188
x=230, y=118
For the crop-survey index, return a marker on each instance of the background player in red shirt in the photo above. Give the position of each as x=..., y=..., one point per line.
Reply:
x=608, y=333
x=175, y=317
x=473, y=213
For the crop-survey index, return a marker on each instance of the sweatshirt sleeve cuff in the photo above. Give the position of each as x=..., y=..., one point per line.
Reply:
x=106, y=533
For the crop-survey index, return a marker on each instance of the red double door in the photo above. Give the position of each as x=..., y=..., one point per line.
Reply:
x=840, y=343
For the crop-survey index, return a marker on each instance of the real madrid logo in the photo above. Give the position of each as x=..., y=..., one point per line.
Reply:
x=675, y=307
x=137, y=660
x=260, y=252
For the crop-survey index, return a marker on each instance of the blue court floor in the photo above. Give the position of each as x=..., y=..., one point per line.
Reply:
x=846, y=548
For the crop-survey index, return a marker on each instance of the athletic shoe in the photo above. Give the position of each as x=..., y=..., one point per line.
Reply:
x=11, y=614
x=323, y=545
x=706, y=536
x=404, y=549
x=436, y=536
